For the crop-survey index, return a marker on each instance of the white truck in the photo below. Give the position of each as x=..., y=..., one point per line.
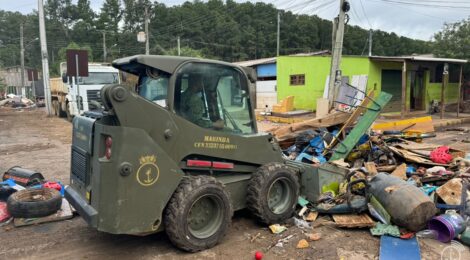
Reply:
x=69, y=100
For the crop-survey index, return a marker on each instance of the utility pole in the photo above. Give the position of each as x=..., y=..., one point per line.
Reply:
x=23, y=92
x=147, y=51
x=179, y=47
x=104, y=46
x=278, y=32
x=45, y=62
x=370, y=42
x=337, y=44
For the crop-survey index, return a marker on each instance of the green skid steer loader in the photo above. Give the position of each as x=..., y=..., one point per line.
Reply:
x=179, y=153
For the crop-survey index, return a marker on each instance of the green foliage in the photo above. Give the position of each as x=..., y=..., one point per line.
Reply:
x=185, y=51
x=225, y=30
x=454, y=40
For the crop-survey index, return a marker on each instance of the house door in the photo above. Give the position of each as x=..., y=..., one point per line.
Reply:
x=391, y=83
x=417, y=90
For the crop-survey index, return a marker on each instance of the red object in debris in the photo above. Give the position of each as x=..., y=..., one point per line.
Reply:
x=4, y=214
x=52, y=185
x=258, y=255
x=441, y=155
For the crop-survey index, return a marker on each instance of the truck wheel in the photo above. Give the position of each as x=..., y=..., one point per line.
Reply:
x=62, y=113
x=272, y=193
x=198, y=214
x=55, y=107
x=67, y=112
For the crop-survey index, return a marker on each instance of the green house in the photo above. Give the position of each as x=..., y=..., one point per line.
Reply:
x=305, y=77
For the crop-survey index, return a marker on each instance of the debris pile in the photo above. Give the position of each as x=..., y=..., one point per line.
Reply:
x=27, y=199
x=14, y=101
x=383, y=177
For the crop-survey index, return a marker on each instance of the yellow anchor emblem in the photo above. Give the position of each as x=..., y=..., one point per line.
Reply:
x=148, y=172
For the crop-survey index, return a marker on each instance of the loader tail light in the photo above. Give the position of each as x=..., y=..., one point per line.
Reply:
x=108, y=143
x=198, y=163
x=222, y=165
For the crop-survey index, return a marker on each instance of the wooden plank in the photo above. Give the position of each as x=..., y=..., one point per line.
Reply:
x=290, y=131
x=370, y=167
x=400, y=171
x=322, y=107
x=353, y=220
x=361, y=127
x=413, y=157
x=423, y=124
x=451, y=192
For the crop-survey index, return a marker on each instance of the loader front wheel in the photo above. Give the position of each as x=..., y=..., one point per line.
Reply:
x=272, y=193
x=198, y=214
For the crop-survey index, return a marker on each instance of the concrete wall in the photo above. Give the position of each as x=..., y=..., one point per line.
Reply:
x=316, y=70
x=266, y=94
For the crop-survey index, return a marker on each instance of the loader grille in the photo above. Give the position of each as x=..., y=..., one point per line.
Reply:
x=79, y=165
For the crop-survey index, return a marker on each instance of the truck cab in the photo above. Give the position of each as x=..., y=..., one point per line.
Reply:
x=84, y=96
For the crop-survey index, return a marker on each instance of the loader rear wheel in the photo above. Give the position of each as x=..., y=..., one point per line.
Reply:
x=198, y=214
x=272, y=193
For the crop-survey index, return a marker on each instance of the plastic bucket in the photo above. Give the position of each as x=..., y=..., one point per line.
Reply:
x=447, y=226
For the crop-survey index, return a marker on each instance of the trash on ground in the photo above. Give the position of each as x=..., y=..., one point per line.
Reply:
x=34, y=203
x=312, y=216
x=392, y=248
x=313, y=236
x=447, y=226
x=4, y=214
x=384, y=229
x=302, y=244
x=65, y=212
x=353, y=220
x=277, y=229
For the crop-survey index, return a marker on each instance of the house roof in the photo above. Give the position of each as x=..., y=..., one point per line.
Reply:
x=417, y=58
x=249, y=63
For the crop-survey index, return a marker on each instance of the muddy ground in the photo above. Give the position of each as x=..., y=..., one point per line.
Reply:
x=32, y=140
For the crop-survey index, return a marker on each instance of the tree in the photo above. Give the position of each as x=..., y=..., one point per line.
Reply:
x=454, y=40
x=110, y=16
x=185, y=51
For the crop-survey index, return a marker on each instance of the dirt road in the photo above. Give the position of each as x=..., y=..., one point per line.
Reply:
x=32, y=140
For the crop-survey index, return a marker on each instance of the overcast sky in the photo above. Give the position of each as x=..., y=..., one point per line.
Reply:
x=418, y=19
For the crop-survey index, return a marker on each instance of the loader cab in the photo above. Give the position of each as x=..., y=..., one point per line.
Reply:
x=213, y=96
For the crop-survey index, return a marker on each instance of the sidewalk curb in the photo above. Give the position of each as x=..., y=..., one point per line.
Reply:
x=452, y=122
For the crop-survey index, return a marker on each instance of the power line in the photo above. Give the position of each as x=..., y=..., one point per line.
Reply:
x=426, y=5
x=365, y=14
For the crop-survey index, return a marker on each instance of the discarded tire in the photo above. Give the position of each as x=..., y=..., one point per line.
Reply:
x=198, y=214
x=34, y=203
x=272, y=193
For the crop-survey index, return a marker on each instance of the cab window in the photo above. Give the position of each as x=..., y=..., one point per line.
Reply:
x=214, y=96
x=154, y=87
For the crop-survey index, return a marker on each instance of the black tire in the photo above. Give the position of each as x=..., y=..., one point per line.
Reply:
x=275, y=176
x=62, y=113
x=55, y=107
x=180, y=220
x=67, y=112
x=34, y=203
